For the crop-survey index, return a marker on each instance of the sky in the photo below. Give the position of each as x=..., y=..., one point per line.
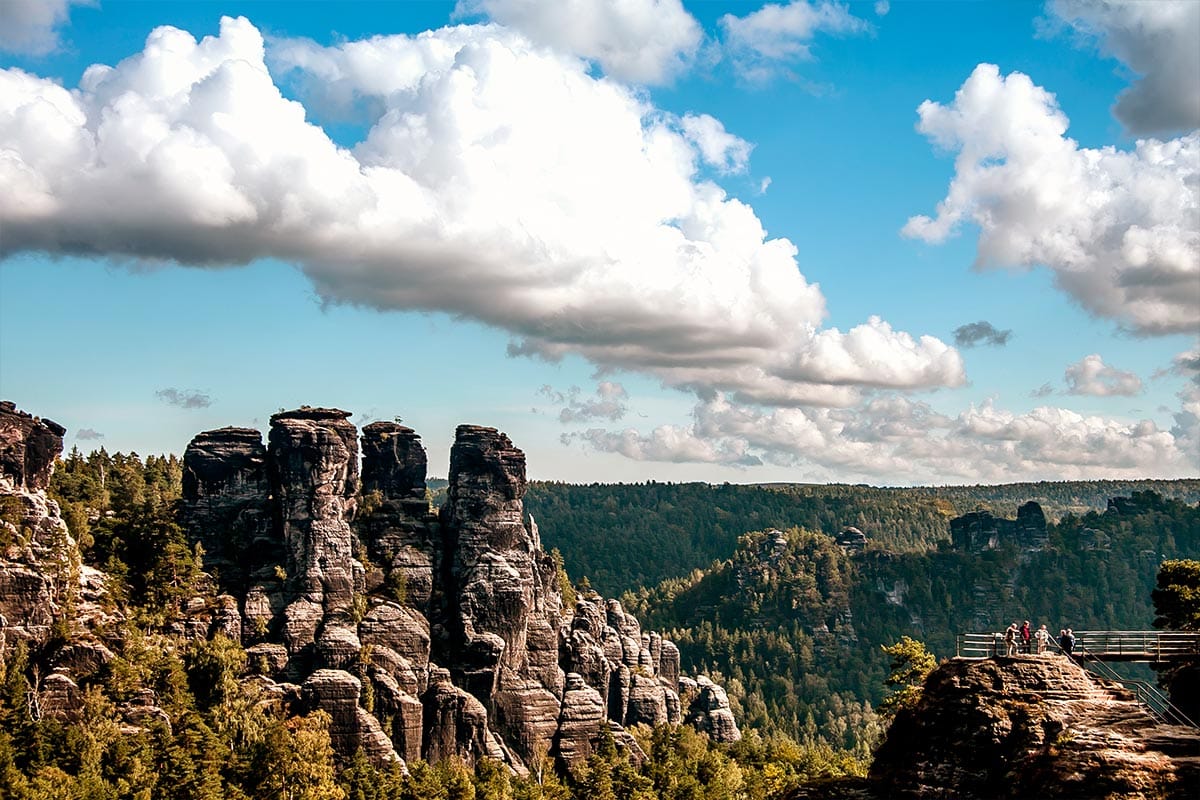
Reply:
x=880, y=242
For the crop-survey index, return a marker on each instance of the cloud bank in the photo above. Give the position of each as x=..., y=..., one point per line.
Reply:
x=896, y=440
x=31, y=26
x=640, y=41
x=1118, y=229
x=1160, y=41
x=499, y=181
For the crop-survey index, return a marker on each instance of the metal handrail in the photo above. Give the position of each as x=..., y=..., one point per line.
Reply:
x=1167, y=712
x=1128, y=645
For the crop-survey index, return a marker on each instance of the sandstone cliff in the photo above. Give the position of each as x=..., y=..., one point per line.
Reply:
x=453, y=623
x=1026, y=727
x=48, y=599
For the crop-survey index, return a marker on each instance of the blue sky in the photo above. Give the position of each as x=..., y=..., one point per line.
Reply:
x=696, y=241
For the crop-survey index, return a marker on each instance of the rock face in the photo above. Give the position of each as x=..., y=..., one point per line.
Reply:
x=710, y=713
x=225, y=491
x=39, y=562
x=454, y=621
x=397, y=525
x=1032, y=727
x=981, y=530
x=43, y=585
x=28, y=447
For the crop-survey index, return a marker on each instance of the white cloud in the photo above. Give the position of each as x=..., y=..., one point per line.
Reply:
x=607, y=403
x=1091, y=376
x=719, y=149
x=642, y=41
x=762, y=43
x=894, y=440
x=499, y=181
x=1160, y=41
x=882, y=7
x=1118, y=229
x=31, y=26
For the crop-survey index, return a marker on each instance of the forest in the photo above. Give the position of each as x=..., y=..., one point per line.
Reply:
x=622, y=536
x=749, y=581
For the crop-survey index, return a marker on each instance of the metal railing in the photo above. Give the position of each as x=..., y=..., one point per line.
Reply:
x=1094, y=648
x=1149, y=696
x=1150, y=646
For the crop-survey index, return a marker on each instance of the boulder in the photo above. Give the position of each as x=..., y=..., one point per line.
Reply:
x=352, y=728
x=710, y=713
x=580, y=722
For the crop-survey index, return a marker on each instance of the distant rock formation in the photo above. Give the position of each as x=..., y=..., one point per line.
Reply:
x=978, y=531
x=454, y=620
x=852, y=540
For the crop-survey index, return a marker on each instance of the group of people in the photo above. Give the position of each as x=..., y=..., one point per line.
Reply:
x=1023, y=639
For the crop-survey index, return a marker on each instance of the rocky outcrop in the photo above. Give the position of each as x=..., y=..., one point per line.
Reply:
x=396, y=523
x=314, y=479
x=453, y=621
x=456, y=723
x=28, y=447
x=709, y=712
x=225, y=492
x=981, y=530
x=352, y=728
x=1032, y=727
x=40, y=572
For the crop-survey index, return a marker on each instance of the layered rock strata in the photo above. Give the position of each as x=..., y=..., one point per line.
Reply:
x=451, y=623
x=44, y=587
x=1032, y=726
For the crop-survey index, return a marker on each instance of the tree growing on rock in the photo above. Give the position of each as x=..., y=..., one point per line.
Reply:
x=1177, y=607
x=911, y=665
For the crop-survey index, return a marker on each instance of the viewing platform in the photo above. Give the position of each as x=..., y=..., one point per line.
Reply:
x=1133, y=646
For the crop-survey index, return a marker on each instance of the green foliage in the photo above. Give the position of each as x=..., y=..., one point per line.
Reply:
x=1177, y=596
x=911, y=665
x=627, y=535
x=564, y=581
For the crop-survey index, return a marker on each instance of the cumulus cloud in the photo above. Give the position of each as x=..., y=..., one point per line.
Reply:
x=184, y=398
x=983, y=332
x=882, y=7
x=88, y=435
x=719, y=149
x=31, y=26
x=1118, y=229
x=762, y=44
x=1091, y=376
x=896, y=440
x=607, y=403
x=499, y=181
x=642, y=41
x=1160, y=41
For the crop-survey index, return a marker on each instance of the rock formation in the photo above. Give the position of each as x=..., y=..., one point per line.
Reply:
x=981, y=530
x=40, y=572
x=1032, y=727
x=44, y=588
x=452, y=622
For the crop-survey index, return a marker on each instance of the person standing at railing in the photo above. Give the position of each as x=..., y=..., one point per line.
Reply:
x=1026, y=634
x=1010, y=639
x=1067, y=641
x=1042, y=637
